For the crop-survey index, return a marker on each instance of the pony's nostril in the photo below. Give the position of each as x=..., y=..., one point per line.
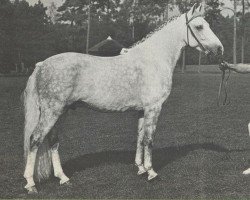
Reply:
x=219, y=50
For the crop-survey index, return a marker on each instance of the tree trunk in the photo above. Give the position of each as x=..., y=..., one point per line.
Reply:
x=133, y=19
x=88, y=30
x=133, y=31
x=166, y=15
x=183, y=68
x=243, y=32
x=199, y=61
x=19, y=57
x=199, y=58
x=235, y=34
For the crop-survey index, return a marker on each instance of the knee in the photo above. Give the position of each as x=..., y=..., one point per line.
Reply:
x=150, y=129
x=148, y=138
x=140, y=142
x=148, y=142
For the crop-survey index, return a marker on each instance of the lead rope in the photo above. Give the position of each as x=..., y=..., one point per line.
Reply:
x=223, y=84
x=227, y=99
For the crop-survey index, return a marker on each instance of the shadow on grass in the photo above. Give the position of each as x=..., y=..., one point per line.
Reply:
x=161, y=157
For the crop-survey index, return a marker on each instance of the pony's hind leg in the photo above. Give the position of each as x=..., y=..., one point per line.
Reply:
x=139, y=149
x=29, y=171
x=150, y=121
x=54, y=144
x=47, y=120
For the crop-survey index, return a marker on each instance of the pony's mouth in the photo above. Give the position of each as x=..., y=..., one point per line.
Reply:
x=207, y=51
x=214, y=56
x=217, y=51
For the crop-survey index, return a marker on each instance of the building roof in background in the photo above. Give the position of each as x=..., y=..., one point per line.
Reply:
x=107, y=45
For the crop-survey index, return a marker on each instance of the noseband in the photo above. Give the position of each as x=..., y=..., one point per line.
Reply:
x=192, y=33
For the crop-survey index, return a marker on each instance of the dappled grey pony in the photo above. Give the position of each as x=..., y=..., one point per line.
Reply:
x=140, y=79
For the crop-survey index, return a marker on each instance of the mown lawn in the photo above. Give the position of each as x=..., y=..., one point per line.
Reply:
x=200, y=149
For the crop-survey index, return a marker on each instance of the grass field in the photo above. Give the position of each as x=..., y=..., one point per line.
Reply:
x=200, y=149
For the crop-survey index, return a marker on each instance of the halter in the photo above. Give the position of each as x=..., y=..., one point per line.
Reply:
x=191, y=31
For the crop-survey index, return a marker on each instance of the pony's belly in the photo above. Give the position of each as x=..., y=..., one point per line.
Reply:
x=113, y=103
x=109, y=94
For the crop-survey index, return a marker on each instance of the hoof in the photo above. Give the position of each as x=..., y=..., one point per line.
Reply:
x=65, y=183
x=151, y=174
x=246, y=172
x=32, y=190
x=142, y=170
x=63, y=180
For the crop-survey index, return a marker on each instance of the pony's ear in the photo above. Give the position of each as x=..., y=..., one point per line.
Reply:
x=201, y=9
x=197, y=9
x=193, y=8
x=192, y=11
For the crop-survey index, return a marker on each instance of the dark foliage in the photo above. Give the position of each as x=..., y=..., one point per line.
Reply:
x=28, y=34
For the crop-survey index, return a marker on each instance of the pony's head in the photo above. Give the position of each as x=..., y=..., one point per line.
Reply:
x=198, y=33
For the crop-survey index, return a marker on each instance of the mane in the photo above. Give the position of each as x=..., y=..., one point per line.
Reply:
x=171, y=19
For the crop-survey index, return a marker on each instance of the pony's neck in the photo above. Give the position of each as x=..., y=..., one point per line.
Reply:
x=165, y=45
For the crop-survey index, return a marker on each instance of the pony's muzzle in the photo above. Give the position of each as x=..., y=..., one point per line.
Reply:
x=219, y=53
x=220, y=50
x=215, y=53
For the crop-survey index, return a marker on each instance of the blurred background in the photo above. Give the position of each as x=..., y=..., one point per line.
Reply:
x=33, y=30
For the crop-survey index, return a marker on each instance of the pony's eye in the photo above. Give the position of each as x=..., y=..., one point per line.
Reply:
x=199, y=27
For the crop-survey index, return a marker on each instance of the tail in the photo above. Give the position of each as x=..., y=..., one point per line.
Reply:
x=43, y=166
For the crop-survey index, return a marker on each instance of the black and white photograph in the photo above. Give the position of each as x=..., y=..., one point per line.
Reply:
x=124, y=99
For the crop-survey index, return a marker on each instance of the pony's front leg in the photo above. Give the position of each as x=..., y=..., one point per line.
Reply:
x=150, y=121
x=139, y=149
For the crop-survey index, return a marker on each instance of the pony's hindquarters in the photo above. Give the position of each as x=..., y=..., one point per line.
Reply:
x=43, y=165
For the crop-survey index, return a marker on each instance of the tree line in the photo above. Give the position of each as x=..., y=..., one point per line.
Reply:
x=29, y=34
